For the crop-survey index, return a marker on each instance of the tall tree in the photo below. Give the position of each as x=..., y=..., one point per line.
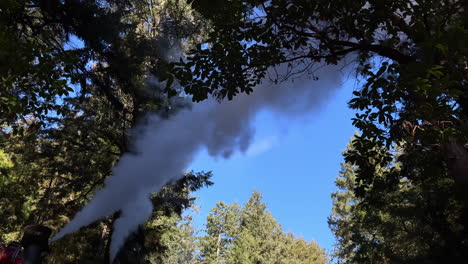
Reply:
x=412, y=224
x=261, y=239
x=250, y=234
x=181, y=242
x=222, y=227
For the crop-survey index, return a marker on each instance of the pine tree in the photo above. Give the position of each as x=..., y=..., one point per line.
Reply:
x=250, y=234
x=179, y=238
x=412, y=224
x=222, y=228
x=261, y=237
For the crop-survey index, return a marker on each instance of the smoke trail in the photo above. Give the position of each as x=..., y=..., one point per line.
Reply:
x=166, y=147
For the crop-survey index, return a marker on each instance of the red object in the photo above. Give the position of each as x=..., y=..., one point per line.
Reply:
x=11, y=254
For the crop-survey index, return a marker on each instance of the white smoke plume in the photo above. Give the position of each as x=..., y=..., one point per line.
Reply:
x=166, y=147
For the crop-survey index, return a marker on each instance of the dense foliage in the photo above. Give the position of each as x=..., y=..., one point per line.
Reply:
x=241, y=234
x=56, y=49
x=49, y=174
x=76, y=75
x=415, y=223
x=250, y=234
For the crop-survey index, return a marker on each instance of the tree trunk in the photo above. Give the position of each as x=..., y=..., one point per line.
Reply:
x=457, y=162
x=104, y=239
x=218, y=247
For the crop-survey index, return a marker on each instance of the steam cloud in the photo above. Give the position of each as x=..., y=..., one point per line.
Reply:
x=166, y=147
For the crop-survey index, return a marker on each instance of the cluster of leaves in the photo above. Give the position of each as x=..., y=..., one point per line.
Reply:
x=56, y=49
x=37, y=65
x=262, y=34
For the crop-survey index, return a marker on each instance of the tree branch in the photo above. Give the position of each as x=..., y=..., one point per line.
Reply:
x=388, y=52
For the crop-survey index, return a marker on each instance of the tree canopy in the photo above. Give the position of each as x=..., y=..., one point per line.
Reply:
x=415, y=223
x=56, y=49
x=76, y=75
x=250, y=234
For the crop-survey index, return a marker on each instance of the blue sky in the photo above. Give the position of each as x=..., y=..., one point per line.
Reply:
x=293, y=163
